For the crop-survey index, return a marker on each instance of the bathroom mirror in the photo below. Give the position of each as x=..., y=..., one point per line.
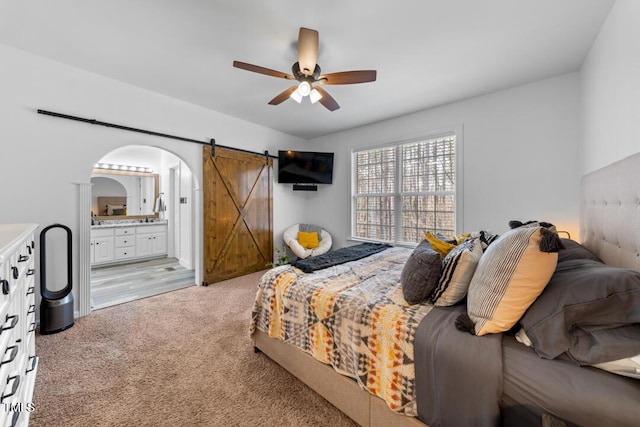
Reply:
x=123, y=194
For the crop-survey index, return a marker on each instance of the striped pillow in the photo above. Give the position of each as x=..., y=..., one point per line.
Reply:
x=457, y=270
x=510, y=275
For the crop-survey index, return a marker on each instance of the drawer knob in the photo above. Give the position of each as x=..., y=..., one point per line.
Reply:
x=23, y=258
x=5, y=286
x=15, y=272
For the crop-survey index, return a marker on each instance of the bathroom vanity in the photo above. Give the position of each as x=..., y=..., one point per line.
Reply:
x=122, y=242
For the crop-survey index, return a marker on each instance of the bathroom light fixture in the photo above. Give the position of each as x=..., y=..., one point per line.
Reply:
x=113, y=166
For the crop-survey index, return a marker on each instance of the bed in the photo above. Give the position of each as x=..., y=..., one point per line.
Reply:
x=412, y=364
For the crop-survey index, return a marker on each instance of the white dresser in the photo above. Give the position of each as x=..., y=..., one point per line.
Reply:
x=19, y=363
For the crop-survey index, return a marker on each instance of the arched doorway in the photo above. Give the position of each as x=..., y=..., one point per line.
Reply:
x=158, y=208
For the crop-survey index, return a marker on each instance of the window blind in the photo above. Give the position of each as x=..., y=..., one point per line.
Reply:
x=402, y=190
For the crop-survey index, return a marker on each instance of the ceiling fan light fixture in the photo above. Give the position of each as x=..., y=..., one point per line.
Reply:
x=295, y=95
x=315, y=96
x=304, y=88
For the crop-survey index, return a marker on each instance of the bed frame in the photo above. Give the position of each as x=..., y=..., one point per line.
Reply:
x=610, y=213
x=342, y=392
x=610, y=227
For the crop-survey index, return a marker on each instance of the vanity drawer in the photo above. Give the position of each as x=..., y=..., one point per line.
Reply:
x=125, y=231
x=125, y=253
x=101, y=232
x=156, y=228
x=125, y=241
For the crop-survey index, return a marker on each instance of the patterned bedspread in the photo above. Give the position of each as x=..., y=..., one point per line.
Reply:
x=351, y=316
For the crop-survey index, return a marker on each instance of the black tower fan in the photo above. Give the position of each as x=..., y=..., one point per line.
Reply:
x=56, y=307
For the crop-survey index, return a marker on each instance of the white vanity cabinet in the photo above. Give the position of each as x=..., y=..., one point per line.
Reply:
x=18, y=361
x=151, y=240
x=111, y=244
x=102, y=244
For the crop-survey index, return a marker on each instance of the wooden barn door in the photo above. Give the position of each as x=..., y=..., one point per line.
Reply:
x=237, y=204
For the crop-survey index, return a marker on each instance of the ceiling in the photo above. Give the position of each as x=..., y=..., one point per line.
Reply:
x=427, y=52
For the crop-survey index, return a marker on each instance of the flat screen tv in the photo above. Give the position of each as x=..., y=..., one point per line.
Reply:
x=305, y=167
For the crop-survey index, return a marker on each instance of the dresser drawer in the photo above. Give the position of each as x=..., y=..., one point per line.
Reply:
x=12, y=375
x=125, y=241
x=10, y=322
x=125, y=253
x=9, y=359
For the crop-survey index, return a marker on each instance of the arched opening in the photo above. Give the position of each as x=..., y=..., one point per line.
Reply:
x=142, y=230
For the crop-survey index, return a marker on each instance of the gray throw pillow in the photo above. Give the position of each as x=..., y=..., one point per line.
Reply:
x=421, y=273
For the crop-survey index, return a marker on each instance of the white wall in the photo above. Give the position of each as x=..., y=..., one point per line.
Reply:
x=43, y=158
x=185, y=196
x=610, y=81
x=520, y=149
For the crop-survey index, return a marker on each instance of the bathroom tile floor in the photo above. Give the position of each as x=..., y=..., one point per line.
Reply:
x=117, y=284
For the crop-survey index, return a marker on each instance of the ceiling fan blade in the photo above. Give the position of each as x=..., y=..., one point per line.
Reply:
x=307, y=50
x=327, y=100
x=262, y=70
x=283, y=96
x=348, y=77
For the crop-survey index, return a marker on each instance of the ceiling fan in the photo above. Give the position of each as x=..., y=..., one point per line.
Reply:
x=307, y=72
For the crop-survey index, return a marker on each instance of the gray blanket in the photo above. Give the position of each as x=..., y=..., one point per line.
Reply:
x=458, y=375
x=339, y=256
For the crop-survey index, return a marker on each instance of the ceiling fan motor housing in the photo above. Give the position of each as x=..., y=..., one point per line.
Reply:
x=300, y=76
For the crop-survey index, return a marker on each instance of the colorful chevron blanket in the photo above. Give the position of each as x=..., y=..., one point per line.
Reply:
x=351, y=316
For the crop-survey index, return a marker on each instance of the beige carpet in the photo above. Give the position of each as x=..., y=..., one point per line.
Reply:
x=183, y=358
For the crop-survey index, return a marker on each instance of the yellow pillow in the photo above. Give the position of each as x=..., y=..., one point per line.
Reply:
x=440, y=246
x=462, y=237
x=308, y=240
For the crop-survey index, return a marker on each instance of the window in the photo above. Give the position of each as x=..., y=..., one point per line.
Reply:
x=402, y=190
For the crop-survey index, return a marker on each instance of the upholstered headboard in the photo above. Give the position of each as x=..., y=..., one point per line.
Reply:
x=610, y=213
